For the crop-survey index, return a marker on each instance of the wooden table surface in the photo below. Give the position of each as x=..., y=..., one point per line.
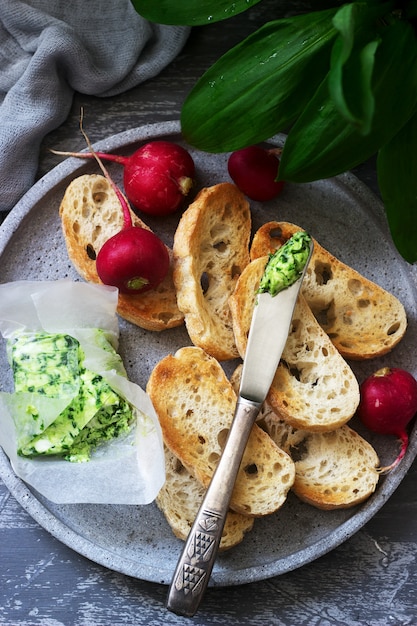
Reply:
x=371, y=579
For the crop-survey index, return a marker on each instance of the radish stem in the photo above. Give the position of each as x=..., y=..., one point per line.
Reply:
x=127, y=218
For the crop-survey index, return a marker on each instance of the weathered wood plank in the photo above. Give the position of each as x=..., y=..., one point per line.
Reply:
x=369, y=580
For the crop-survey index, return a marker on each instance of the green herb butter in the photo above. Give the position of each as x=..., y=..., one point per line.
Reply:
x=51, y=365
x=286, y=265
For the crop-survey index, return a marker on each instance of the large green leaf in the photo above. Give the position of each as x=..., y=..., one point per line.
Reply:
x=397, y=179
x=190, y=12
x=411, y=9
x=322, y=144
x=350, y=78
x=261, y=85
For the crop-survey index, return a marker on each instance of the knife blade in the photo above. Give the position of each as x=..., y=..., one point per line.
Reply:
x=270, y=325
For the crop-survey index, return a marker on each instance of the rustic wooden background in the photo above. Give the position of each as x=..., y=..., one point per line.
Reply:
x=369, y=580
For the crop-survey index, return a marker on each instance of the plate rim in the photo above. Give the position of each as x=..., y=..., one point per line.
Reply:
x=84, y=546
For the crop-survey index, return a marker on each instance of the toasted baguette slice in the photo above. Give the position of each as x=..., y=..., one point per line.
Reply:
x=195, y=403
x=362, y=319
x=314, y=387
x=337, y=469
x=90, y=214
x=211, y=248
x=180, y=498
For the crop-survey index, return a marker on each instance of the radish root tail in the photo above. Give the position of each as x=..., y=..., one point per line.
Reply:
x=404, y=445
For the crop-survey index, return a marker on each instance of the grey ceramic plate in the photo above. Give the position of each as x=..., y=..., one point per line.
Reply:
x=345, y=217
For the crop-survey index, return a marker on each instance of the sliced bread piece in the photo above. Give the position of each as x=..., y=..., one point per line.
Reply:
x=195, y=403
x=362, y=319
x=180, y=498
x=314, y=387
x=335, y=469
x=211, y=248
x=90, y=214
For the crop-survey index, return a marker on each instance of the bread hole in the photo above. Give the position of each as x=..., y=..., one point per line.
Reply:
x=201, y=439
x=294, y=371
x=277, y=467
x=298, y=452
x=228, y=210
x=323, y=272
x=179, y=467
x=99, y=197
x=295, y=325
x=347, y=317
x=164, y=317
x=222, y=436
x=204, y=282
x=276, y=236
x=91, y=253
x=355, y=286
x=325, y=315
x=213, y=458
x=251, y=470
x=235, y=271
x=221, y=246
x=393, y=328
x=86, y=212
x=324, y=351
x=363, y=303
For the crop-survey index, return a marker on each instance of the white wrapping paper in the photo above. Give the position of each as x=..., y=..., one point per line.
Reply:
x=126, y=470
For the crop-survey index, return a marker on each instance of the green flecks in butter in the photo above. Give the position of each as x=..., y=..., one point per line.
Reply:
x=286, y=265
x=51, y=365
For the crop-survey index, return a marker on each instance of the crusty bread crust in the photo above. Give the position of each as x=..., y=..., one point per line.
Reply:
x=195, y=403
x=313, y=388
x=180, y=498
x=211, y=248
x=362, y=319
x=90, y=214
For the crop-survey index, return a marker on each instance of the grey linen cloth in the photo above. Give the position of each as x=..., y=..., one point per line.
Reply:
x=51, y=48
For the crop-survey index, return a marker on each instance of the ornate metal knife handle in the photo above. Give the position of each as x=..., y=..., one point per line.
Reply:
x=196, y=562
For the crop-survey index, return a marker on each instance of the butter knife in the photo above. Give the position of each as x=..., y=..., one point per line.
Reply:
x=268, y=334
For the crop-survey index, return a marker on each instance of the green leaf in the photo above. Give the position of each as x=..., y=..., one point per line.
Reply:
x=322, y=144
x=261, y=85
x=397, y=179
x=411, y=9
x=190, y=12
x=352, y=62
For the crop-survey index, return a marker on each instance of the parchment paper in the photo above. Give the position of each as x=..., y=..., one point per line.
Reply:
x=127, y=470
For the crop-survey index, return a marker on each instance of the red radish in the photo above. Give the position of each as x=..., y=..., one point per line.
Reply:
x=157, y=177
x=387, y=404
x=254, y=170
x=134, y=259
